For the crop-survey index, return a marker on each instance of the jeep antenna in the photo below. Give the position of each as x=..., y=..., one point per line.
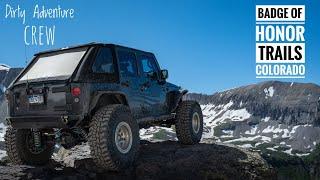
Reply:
x=26, y=63
x=25, y=54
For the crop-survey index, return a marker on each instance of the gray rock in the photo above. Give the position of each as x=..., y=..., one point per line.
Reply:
x=163, y=160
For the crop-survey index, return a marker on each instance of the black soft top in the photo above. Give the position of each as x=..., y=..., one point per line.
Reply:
x=90, y=45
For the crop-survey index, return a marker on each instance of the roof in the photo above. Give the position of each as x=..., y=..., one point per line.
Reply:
x=87, y=45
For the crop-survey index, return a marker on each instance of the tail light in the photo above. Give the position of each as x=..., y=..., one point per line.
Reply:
x=76, y=91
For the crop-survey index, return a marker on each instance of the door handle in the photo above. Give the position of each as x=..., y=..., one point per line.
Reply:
x=125, y=83
x=144, y=86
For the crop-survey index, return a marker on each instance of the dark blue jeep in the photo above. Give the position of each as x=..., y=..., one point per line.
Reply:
x=100, y=93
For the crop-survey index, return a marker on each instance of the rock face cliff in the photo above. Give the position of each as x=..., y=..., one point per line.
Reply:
x=277, y=115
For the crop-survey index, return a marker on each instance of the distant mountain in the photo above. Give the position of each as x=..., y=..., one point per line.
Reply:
x=3, y=73
x=279, y=116
x=11, y=75
x=4, y=67
x=7, y=75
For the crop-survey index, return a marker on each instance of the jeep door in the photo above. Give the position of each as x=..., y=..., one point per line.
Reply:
x=150, y=86
x=129, y=81
x=99, y=75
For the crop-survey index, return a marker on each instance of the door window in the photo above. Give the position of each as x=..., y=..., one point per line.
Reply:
x=127, y=63
x=147, y=64
x=103, y=62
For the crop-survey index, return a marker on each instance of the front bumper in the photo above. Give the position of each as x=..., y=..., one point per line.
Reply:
x=40, y=122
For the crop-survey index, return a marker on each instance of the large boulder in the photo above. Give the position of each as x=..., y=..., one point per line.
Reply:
x=162, y=160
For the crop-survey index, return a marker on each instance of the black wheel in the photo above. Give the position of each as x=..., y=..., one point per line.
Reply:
x=189, y=122
x=22, y=149
x=114, y=138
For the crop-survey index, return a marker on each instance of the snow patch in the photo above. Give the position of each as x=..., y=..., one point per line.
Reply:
x=229, y=133
x=212, y=112
x=3, y=129
x=4, y=67
x=236, y=115
x=2, y=88
x=148, y=134
x=289, y=151
x=269, y=92
x=246, y=146
x=241, y=139
x=271, y=148
x=2, y=154
x=252, y=130
x=302, y=154
x=266, y=119
x=265, y=139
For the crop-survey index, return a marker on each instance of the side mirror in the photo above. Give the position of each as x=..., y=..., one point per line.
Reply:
x=164, y=74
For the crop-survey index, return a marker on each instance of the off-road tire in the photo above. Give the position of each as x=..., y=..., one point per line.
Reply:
x=18, y=151
x=184, y=128
x=102, y=143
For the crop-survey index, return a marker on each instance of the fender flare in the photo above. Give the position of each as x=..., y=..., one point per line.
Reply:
x=97, y=97
x=179, y=99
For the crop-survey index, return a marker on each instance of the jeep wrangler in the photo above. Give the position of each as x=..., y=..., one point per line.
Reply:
x=96, y=93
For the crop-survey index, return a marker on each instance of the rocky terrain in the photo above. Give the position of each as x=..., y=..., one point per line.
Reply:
x=161, y=160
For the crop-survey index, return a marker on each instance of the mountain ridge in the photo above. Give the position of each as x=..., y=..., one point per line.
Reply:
x=264, y=96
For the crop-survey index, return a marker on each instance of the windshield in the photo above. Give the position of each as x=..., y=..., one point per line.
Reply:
x=57, y=64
